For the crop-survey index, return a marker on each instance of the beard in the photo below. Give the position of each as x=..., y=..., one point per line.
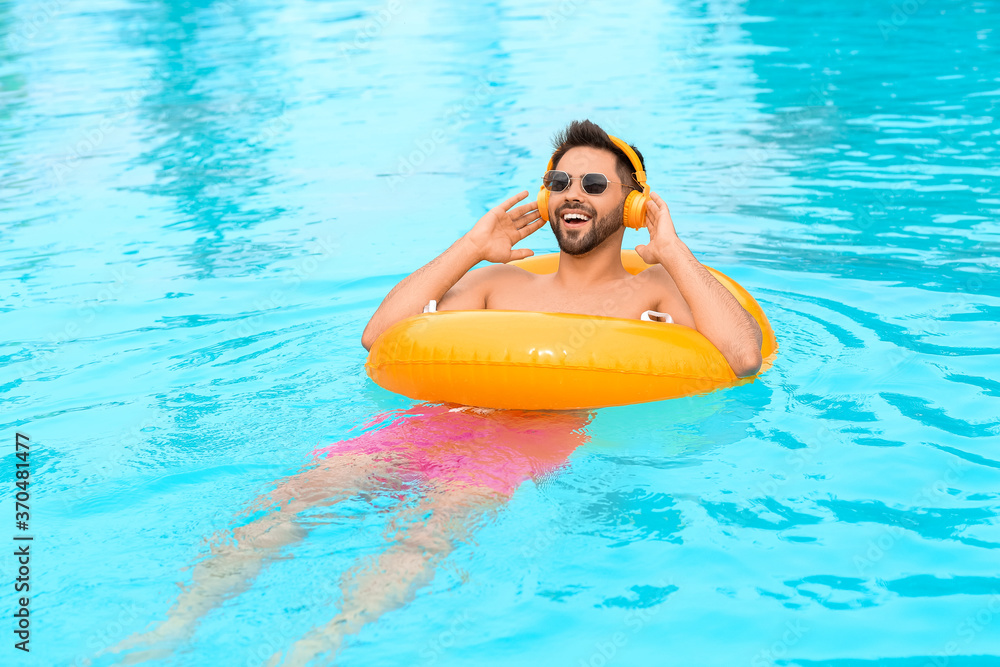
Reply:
x=579, y=242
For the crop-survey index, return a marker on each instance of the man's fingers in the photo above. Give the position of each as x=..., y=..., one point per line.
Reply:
x=531, y=227
x=524, y=209
x=652, y=214
x=660, y=204
x=520, y=253
x=526, y=223
x=513, y=200
x=529, y=219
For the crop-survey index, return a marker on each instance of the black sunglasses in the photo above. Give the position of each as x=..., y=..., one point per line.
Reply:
x=593, y=184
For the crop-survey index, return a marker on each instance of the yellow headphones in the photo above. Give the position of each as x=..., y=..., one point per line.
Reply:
x=635, y=203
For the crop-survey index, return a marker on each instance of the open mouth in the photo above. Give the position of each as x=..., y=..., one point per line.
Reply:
x=575, y=219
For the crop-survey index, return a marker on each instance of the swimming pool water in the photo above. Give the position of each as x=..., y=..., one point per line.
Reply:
x=202, y=203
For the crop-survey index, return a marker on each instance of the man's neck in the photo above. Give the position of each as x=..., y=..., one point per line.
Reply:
x=601, y=265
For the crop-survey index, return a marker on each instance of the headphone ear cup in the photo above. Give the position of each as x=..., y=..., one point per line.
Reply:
x=635, y=210
x=543, y=204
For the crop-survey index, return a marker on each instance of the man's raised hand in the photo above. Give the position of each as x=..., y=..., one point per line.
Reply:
x=662, y=235
x=496, y=233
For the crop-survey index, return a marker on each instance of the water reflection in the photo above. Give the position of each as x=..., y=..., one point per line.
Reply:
x=879, y=169
x=213, y=112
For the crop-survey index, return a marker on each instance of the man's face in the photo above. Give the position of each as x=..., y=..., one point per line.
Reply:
x=604, y=212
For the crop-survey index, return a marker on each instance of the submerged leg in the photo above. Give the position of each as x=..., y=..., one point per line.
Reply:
x=423, y=536
x=232, y=566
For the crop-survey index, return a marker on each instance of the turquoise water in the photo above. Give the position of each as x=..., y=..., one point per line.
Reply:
x=202, y=203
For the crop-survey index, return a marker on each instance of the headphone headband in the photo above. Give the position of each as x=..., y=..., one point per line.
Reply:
x=640, y=174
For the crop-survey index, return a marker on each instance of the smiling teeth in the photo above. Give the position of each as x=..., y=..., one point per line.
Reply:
x=575, y=216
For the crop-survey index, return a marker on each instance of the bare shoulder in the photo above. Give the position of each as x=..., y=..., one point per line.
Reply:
x=509, y=272
x=656, y=278
x=473, y=289
x=498, y=275
x=657, y=282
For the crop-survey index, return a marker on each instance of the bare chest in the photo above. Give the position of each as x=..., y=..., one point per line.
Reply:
x=626, y=299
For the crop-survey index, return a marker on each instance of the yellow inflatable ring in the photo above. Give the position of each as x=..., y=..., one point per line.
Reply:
x=553, y=361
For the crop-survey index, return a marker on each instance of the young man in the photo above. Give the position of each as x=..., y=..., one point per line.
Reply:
x=590, y=279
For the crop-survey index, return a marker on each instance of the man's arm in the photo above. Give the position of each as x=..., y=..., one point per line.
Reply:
x=491, y=239
x=717, y=314
x=430, y=281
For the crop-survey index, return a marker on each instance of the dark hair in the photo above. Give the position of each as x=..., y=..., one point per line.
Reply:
x=586, y=133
